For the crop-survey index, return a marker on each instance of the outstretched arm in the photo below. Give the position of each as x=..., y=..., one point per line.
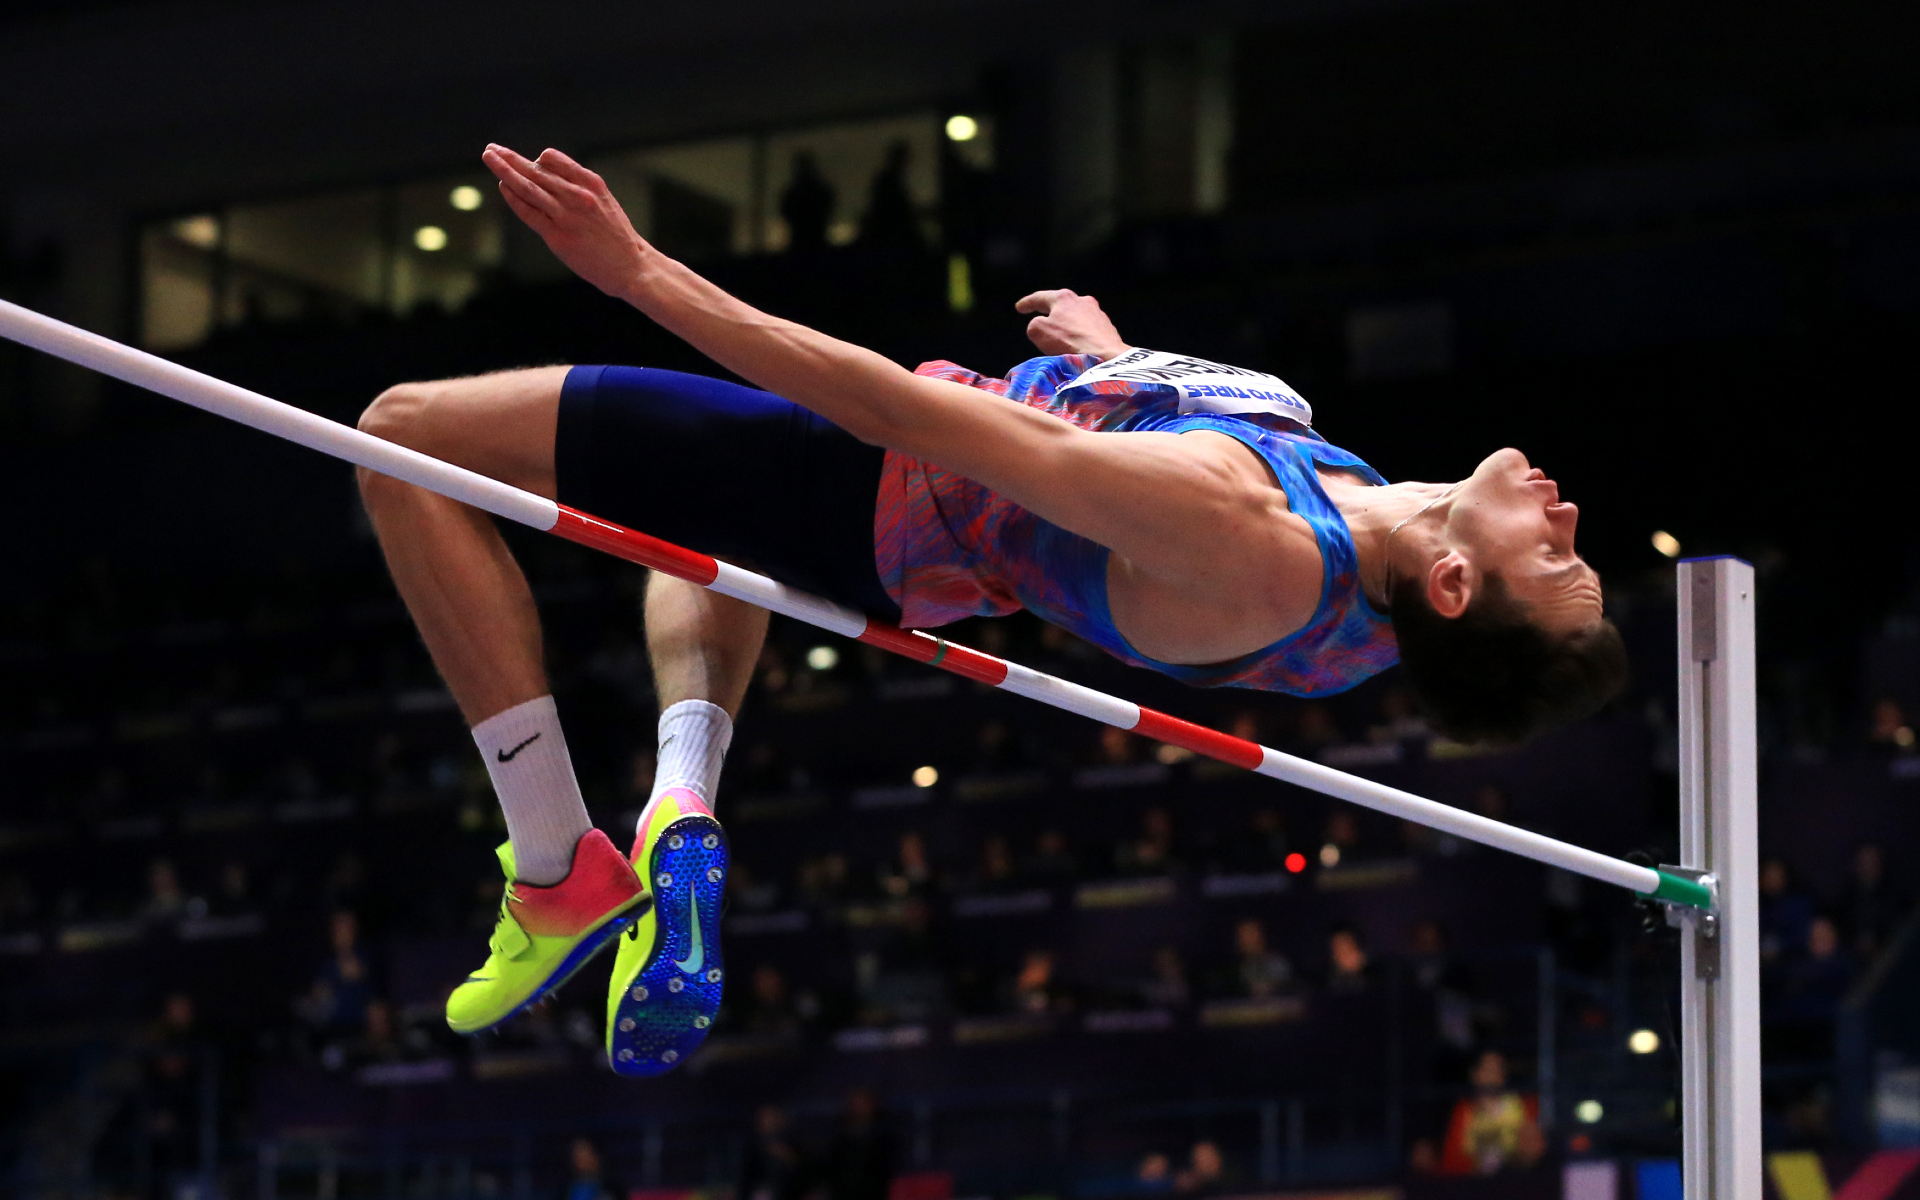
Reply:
x=1140, y=495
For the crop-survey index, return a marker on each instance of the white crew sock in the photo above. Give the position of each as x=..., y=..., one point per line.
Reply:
x=694, y=736
x=532, y=774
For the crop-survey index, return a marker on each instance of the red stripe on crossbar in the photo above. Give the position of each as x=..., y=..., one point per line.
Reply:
x=937, y=652
x=636, y=547
x=1199, y=739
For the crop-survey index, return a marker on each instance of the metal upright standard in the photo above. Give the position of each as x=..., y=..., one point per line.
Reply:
x=1719, y=948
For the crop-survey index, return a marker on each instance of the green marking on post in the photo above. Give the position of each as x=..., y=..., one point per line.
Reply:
x=1681, y=890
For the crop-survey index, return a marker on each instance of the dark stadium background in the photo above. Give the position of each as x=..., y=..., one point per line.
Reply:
x=1670, y=251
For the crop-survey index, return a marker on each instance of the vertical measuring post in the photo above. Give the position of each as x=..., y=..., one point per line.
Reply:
x=1720, y=950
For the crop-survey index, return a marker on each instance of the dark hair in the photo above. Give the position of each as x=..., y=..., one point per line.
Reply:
x=1492, y=676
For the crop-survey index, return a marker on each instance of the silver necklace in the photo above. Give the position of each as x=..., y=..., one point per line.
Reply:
x=1386, y=543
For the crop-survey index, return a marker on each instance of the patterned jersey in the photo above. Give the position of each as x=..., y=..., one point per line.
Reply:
x=947, y=547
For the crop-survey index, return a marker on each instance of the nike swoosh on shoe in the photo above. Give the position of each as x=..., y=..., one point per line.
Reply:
x=697, y=957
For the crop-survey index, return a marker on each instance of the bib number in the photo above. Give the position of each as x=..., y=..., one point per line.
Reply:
x=1203, y=386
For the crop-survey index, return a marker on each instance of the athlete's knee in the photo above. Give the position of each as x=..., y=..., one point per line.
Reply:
x=399, y=414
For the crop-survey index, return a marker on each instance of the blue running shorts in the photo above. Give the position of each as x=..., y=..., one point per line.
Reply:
x=727, y=470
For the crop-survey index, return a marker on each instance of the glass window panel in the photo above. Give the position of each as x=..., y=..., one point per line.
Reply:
x=447, y=236
x=327, y=244
x=178, y=265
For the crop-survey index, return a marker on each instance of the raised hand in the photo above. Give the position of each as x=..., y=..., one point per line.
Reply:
x=574, y=213
x=1069, y=323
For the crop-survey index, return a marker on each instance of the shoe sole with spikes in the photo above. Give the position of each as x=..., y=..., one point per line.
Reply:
x=669, y=995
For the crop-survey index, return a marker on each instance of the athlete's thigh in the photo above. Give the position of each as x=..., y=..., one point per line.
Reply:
x=501, y=424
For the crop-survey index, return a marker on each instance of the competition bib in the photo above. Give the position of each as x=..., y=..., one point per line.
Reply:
x=1204, y=387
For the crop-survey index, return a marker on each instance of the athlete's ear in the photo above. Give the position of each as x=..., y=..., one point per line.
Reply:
x=1450, y=584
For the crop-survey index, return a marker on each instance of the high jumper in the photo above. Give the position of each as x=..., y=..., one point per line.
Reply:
x=1180, y=514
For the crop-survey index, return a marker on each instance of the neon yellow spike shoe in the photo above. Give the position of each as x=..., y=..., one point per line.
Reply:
x=545, y=934
x=667, y=975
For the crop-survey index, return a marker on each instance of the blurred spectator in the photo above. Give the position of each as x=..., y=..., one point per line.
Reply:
x=380, y=1041
x=1873, y=904
x=1890, y=731
x=995, y=872
x=1166, y=985
x=995, y=750
x=1261, y=847
x=771, y=673
x=806, y=205
x=1806, y=994
x=824, y=882
x=341, y=990
x=1155, y=1173
x=1116, y=748
x=1152, y=853
x=1444, y=985
x=909, y=874
x=859, y=1163
x=1340, y=841
x=1035, y=987
x=166, y=901
x=588, y=1181
x=890, y=222
x=773, y=1167
x=1496, y=1129
x=172, y=1080
x=1315, y=730
x=1259, y=972
x=771, y=1009
x=234, y=896
x=1205, y=1173
x=747, y=892
x=1785, y=913
x=1400, y=719
x=1052, y=861
x=19, y=908
x=1348, y=968
x=1491, y=802
x=905, y=979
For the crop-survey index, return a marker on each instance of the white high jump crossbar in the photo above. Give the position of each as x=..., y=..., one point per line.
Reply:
x=1672, y=885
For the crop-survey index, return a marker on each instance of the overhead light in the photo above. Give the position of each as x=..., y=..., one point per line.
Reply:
x=962, y=128
x=466, y=197
x=823, y=658
x=1643, y=1041
x=1329, y=855
x=1296, y=862
x=202, y=230
x=925, y=777
x=1588, y=1112
x=1666, y=543
x=430, y=238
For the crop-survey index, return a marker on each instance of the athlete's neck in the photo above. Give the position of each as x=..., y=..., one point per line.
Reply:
x=1399, y=520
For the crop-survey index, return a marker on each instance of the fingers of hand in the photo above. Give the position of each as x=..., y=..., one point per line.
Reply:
x=526, y=212
x=521, y=178
x=566, y=168
x=1042, y=301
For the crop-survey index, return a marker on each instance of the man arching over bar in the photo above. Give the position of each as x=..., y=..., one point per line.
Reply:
x=1180, y=514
